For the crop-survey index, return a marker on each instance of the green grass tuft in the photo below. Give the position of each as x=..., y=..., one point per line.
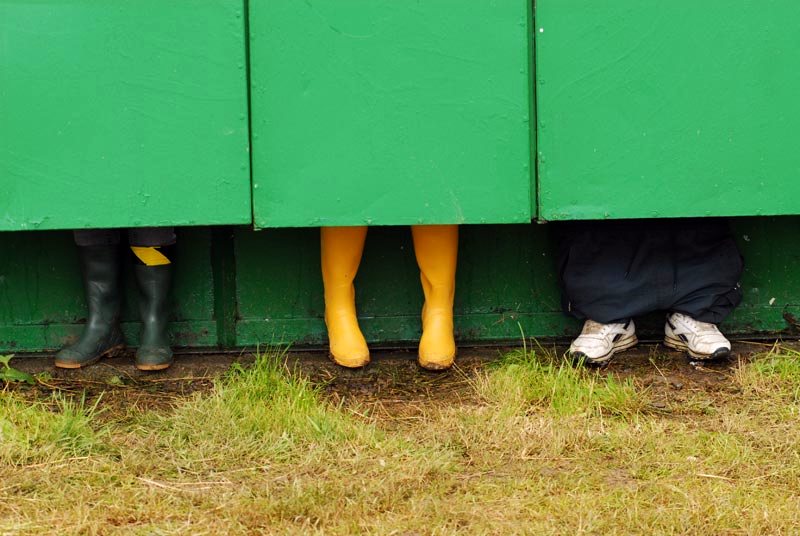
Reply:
x=526, y=377
x=266, y=410
x=36, y=433
x=776, y=372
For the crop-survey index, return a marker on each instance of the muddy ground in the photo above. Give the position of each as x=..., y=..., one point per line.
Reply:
x=392, y=385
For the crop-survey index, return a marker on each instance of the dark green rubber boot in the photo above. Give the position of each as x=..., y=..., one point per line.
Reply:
x=102, y=336
x=154, y=283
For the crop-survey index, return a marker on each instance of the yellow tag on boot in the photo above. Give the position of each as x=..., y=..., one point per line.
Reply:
x=150, y=256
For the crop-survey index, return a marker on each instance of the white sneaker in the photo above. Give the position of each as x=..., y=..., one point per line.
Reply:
x=700, y=339
x=598, y=342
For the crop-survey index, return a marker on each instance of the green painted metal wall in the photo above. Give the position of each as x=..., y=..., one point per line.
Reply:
x=237, y=287
x=382, y=112
x=116, y=114
x=659, y=109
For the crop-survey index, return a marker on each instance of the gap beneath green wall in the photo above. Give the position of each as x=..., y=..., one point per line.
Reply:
x=240, y=288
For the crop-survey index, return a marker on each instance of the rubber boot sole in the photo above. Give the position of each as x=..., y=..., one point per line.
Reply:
x=111, y=352
x=435, y=367
x=350, y=364
x=677, y=344
x=625, y=343
x=154, y=367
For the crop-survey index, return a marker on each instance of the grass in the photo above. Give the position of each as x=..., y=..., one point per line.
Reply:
x=265, y=411
x=539, y=448
x=775, y=374
x=522, y=378
x=33, y=434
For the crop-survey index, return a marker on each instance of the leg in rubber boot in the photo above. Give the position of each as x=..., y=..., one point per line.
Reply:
x=341, y=250
x=102, y=336
x=436, y=248
x=153, y=275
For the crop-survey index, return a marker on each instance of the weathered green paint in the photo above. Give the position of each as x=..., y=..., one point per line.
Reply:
x=505, y=274
x=655, y=109
x=119, y=114
x=272, y=293
x=381, y=112
x=506, y=285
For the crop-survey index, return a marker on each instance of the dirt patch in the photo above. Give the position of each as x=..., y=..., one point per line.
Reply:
x=393, y=385
x=122, y=387
x=678, y=384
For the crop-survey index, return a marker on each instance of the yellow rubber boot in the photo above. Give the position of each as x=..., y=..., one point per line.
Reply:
x=436, y=247
x=341, y=249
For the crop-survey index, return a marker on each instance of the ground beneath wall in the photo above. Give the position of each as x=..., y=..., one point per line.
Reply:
x=393, y=382
x=508, y=442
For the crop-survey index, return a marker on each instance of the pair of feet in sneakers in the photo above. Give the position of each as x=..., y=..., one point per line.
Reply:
x=598, y=343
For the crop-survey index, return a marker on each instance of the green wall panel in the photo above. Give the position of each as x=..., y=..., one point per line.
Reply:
x=681, y=108
x=384, y=112
x=122, y=113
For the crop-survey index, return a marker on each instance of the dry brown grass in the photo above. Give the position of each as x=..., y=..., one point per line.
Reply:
x=541, y=449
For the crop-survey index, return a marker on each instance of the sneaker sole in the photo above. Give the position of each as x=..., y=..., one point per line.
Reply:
x=677, y=344
x=621, y=345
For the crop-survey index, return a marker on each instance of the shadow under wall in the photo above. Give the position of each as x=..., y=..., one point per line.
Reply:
x=237, y=287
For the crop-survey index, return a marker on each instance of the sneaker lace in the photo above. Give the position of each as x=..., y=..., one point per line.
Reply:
x=691, y=322
x=596, y=328
x=699, y=327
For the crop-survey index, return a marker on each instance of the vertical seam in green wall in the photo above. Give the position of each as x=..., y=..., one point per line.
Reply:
x=223, y=266
x=223, y=252
x=533, y=113
x=248, y=71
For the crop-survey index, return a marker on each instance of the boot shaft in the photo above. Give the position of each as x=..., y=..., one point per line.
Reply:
x=153, y=275
x=100, y=269
x=154, y=284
